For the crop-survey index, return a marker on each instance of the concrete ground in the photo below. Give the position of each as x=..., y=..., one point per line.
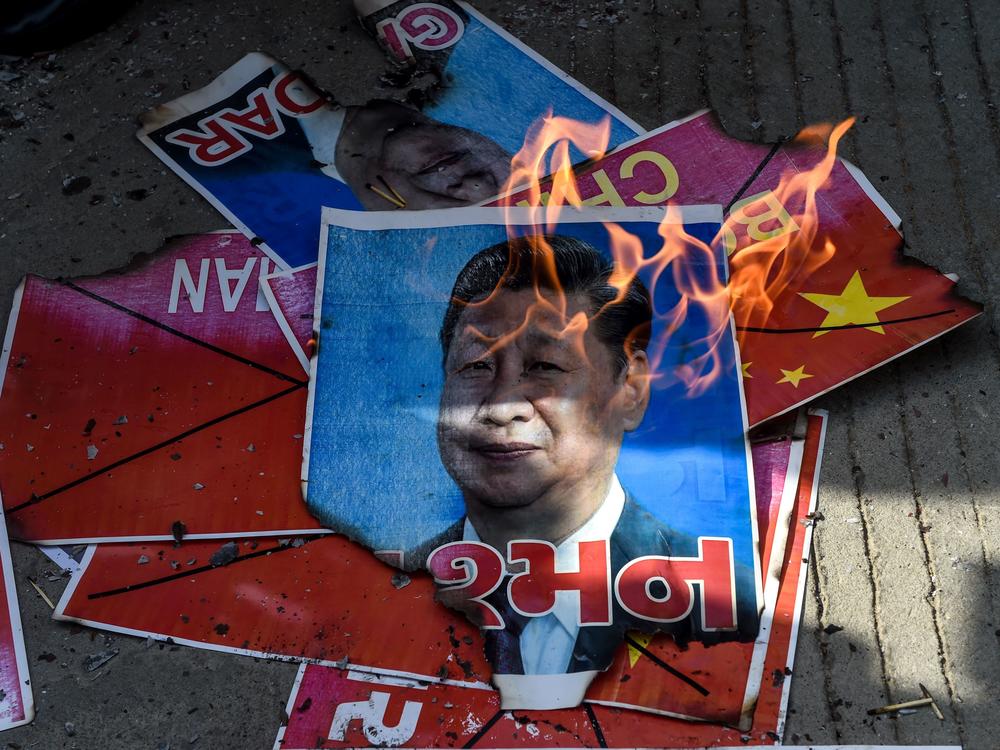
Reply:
x=906, y=558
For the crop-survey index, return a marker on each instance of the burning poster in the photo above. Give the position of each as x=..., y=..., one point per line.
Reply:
x=822, y=290
x=108, y=438
x=268, y=149
x=548, y=417
x=331, y=708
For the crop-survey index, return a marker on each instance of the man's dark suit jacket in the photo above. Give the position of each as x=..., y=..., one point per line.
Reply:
x=637, y=534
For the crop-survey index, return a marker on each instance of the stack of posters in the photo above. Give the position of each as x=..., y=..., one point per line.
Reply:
x=510, y=447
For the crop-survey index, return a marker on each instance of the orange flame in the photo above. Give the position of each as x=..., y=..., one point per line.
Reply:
x=763, y=263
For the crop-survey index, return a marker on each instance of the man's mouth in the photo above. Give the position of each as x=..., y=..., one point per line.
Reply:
x=503, y=452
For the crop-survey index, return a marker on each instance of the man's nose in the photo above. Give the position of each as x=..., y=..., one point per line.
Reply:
x=507, y=401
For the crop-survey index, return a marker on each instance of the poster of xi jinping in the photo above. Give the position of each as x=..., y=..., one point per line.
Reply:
x=268, y=149
x=545, y=414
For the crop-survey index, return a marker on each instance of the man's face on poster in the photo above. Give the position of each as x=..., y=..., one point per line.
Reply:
x=532, y=399
x=429, y=163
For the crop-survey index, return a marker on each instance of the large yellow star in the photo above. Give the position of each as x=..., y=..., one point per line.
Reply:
x=794, y=376
x=746, y=370
x=852, y=306
x=635, y=654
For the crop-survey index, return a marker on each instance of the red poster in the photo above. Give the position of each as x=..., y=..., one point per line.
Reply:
x=156, y=402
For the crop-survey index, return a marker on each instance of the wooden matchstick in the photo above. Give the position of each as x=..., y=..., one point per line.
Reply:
x=42, y=594
x=897, y=706
x=934, y=705
x=392, y=190
x=394, y=201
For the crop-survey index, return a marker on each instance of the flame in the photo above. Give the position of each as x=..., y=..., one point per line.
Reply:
x=763, y=263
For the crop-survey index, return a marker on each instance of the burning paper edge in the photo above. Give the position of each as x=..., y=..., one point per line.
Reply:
x=859, y=177
x=279, y=315
x=855, y=172
x=13, y=609
x=497, y=216
x=638, y=139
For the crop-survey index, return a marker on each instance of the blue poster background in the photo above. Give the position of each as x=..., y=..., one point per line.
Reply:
x=374, y=469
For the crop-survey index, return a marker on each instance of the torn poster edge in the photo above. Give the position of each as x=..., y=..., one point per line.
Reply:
x=638, y=139
x=506, y=216
x=853, y=170
x=13, y=608
x=256, y=61
x=882, y=363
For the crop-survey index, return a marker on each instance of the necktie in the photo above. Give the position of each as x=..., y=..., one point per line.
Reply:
x=503, y=647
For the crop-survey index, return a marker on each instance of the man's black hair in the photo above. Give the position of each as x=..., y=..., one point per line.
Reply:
x=522, y=263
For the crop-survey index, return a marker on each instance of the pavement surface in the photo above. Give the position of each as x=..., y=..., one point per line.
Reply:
x=905, y=560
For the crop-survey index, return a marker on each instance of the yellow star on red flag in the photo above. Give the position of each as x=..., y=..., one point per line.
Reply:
x=746, y=370
x=853, y=306
x=794, y=376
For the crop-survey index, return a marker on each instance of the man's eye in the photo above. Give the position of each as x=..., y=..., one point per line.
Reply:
x=543, y=366
x=477, y=366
